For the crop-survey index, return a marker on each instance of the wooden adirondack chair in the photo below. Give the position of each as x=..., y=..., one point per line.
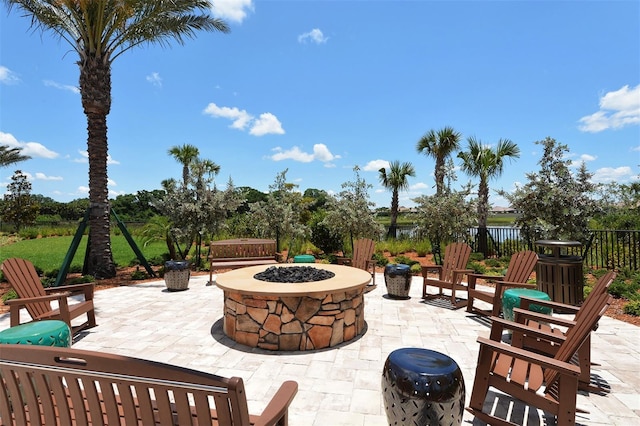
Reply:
x=520, y=267
x=24, y=279
x=558, y=326
x=521, y=373
x=363, y=250
x=450, y=273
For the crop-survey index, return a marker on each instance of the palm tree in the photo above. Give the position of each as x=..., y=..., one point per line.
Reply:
x=100, y=31
x=185, y=154
x=439, y=145
x=395, y=180
x=486, y=163
x=10, y=156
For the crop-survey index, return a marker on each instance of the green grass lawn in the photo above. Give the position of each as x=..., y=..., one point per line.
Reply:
x=48, y=253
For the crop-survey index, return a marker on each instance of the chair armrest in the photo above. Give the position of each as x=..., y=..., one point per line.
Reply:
x=498, y=325
x=539, y=317
x=473, y=277
x=343, y=260
x=431, y=268
x=528, y=356
x=47, y=298
x=501, y=286
x=277, y=408
x=86, y=288
x=560, y=308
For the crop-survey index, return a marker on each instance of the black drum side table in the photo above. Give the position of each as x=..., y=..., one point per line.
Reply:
x=422, y=387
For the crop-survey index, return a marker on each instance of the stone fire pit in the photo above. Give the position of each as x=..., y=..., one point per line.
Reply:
x=293, y=316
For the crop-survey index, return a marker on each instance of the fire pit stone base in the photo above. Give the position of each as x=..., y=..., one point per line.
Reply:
x=294, y=323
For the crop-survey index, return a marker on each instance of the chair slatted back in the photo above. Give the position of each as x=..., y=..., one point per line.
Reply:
x=24, y=279
x=456, y=257
x=73, y=386
x=362, y=252
x=520, y=266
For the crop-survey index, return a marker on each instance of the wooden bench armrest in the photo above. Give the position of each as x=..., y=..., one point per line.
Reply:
x=277, y=408
x=521, y=315
x=528, y=356
x=560, y=308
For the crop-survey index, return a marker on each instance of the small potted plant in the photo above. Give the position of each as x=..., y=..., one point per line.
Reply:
x=176, y=275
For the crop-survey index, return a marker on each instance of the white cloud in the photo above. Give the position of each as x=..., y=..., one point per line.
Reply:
x=320, y=153
x=314, y=36
x=155, y=79
x=231, y=10
x=32, y=149
x=375, y=165
x=418, y=186
x=587, y=157
x=610, y=174
x=84, y=158
x=7, y=76
x=267, y=123
x=617, y=109
x=42, y=176
x=636, y=148
x=73, y=89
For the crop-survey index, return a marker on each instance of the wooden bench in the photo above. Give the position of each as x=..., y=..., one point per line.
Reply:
x=48, y=385
x=239, y=252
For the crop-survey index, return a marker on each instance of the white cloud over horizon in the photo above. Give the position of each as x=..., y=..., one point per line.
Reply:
x=612, y=174
x=266, y=123
x=320, y=153
x=314, y=36
x=32, y=149
x=618, y=109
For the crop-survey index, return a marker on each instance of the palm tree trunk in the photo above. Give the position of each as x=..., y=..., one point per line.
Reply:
x=392, y=233
x=95, y=88
x=483, y=209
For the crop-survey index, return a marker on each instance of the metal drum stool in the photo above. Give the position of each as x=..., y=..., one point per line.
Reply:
x=42, y=333
x=397, y=278
x=511, y=299
x=422, y=387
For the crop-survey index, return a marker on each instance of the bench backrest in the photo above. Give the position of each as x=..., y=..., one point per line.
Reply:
x=69, y=386
x=242, y=248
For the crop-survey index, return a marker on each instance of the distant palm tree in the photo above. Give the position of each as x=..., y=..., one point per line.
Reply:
x=185, y=154
x=396, y=181
x=10, y=156
x=100, y=31
x=486, y=163
x=439, y=145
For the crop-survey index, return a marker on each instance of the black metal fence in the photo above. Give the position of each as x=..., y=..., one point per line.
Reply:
x=610, y=249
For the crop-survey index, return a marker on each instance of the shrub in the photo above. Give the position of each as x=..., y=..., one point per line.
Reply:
x=493, y=262
x=416, y=269
x=476, y=257
x=477, y=267
x=405, y=260
x=81, y=280
x=325, y=239
x=620, y=289
x=139, y=275
x=11, y=294
x=632, y=308
x=422, y=248
x=380, y=259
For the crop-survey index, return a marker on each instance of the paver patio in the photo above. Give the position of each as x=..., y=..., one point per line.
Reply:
x=338, y=386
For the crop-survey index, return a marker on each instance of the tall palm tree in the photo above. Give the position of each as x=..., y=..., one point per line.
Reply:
x=396, y=181
x=100, y=31
x=10, y=156
x=439, y=145
x=185, y=154
x=486, y=163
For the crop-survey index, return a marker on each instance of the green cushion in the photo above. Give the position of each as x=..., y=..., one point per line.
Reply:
x=41, y=333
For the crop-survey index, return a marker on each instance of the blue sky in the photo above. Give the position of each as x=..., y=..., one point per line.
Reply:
x=318, y=87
